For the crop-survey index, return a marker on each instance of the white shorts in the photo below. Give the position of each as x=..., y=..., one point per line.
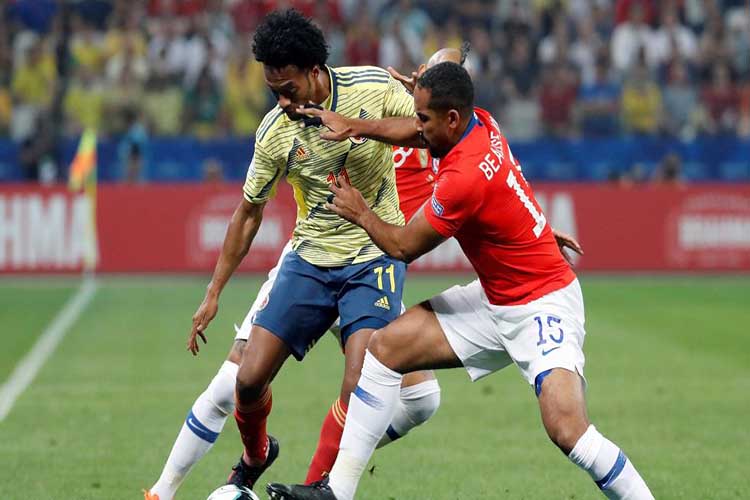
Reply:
x=543, y=334
x=243, y=331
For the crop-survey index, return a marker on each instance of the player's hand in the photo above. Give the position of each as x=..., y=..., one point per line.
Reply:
x=567, y=241
x=202, y=317
x=339, y=127
x=406, y=81
x=347, y=201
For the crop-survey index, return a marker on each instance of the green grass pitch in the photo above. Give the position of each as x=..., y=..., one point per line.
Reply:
x=668, y=367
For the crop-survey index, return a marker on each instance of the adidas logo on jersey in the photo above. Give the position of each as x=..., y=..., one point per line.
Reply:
x=382, y=302
x=300, y=154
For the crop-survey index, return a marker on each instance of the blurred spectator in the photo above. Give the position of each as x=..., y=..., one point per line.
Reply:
x=521, y=68
x=680, y=102
x=414, y=23
x=162, y=106
x=556, y=99
x=721, y=101
x=713, y=46
x=132, y=147
x=86, y=46
x=363, y=43
x=202, y=107
x=32, y=88
x=669, y=171
x=167, y=51
x=743, y=128
x=520, y=116
x=738, y=22
x=84, y=102
x=213, y=171
x=586, y=49
x=599, y=102
x=672, y=39
x=631, y=39
x=555, y=46
x=246, y=97
x=641, y=102
x=34, y=80
x=624, y=9
x=37, y=155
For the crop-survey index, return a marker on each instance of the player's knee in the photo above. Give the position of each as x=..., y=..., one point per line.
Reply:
x=565, y=433
x=221, y=389
x=421, y=401
x=381, y=348
x=249, y=388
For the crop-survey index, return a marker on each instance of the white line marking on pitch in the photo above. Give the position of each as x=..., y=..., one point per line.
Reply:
x=45, y=345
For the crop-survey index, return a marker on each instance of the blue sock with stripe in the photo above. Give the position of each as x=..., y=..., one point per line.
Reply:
x=609, y=467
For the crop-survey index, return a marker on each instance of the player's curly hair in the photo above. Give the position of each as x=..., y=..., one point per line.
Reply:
x=287, y=37
x=450, y=86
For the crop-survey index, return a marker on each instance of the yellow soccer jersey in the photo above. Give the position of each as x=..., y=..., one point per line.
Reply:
x=283, y=148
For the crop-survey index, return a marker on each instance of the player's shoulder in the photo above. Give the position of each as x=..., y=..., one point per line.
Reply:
x=360, y=76
x=273, y=121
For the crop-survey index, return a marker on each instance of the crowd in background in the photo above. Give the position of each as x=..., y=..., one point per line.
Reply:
x=543, y=67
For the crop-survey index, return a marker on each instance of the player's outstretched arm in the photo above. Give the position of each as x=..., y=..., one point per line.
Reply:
x=404, y=243
x=242, y=229
x=398, y=131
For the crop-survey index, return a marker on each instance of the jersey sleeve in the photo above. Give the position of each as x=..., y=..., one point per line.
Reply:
x=263, y=176
x=397, y=102
x=453, y=201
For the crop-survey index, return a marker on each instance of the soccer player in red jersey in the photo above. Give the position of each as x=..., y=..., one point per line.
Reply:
x=526, y=308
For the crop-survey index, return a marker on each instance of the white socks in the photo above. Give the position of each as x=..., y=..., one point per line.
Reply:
x=371, y=410
x=416, y=404
x=200, y=430
x=609, y=467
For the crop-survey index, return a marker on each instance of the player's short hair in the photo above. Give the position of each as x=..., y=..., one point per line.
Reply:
x=286, y=37
x=450, y=86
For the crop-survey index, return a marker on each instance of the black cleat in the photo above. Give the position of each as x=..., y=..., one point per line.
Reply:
x=318, y=490
x=244, y=475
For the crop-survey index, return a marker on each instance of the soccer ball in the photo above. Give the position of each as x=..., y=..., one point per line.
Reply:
x=232, y=492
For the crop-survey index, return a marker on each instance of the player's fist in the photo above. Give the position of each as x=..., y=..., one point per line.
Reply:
x=202, y=317
x=567, y=241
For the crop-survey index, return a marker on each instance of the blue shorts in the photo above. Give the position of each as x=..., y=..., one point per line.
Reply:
x=306, y=299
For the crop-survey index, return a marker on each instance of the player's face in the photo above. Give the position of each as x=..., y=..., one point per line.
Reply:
x=292, y=87
x=432, y=124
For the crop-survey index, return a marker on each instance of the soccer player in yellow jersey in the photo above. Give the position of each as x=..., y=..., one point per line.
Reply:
x=333, y=270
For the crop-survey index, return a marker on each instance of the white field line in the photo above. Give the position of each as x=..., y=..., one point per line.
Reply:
x=45, y=345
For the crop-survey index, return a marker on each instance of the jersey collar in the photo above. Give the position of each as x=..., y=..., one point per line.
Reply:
x=333, y=95
x=470, y=126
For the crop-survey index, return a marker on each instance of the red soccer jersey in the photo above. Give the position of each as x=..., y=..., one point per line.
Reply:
x=482, y=198
x=414, y=178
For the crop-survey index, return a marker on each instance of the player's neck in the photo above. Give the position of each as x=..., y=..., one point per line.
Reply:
x=322, y=87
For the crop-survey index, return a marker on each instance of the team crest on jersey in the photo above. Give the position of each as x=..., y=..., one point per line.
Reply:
x=263, y=304
x=358, y=140
x=437, y=207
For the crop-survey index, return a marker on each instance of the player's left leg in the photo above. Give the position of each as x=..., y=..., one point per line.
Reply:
x=545, y=339
x=563, y=408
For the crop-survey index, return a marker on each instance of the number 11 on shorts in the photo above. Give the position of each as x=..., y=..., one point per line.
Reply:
x=391, y=272
x=553, y=323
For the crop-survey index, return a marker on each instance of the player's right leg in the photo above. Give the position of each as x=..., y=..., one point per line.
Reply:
x=414, y=341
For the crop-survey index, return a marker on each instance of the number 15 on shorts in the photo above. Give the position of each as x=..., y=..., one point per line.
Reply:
x=550, y=334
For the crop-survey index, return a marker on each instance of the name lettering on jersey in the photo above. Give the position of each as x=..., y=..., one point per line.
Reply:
x=490, y=165
x=538, y=216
